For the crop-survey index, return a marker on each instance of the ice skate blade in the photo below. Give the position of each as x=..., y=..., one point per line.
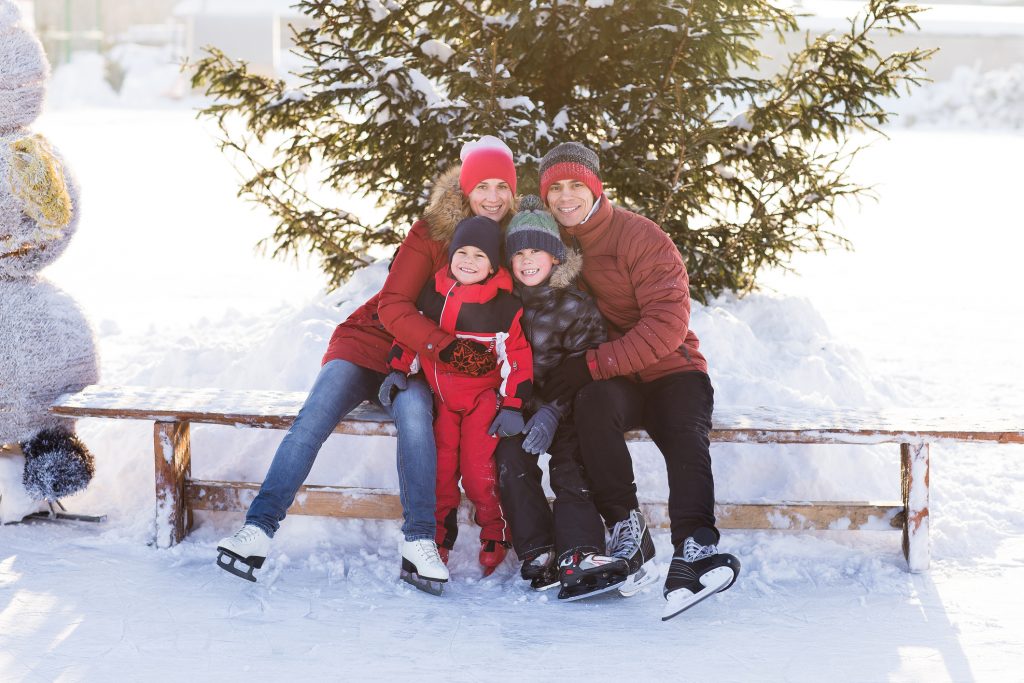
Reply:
x=572, y=595
x=67, y=517
x=683, y=599
x=410, y=569
x=544, y=585
x=643, y=577
x=226, y=560
x=432, y=586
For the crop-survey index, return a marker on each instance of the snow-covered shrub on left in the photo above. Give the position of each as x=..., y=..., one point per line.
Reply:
x=47, y=344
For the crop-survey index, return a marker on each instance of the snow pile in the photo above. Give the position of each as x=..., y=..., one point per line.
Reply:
x=81, y=82
x=772, y=350
x=148, y=75
x=970, y=98
x=144, y=76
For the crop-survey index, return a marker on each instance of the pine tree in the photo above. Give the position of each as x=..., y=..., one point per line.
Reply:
x=741, y=168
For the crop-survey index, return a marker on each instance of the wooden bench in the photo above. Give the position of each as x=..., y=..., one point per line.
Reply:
x=178, y=494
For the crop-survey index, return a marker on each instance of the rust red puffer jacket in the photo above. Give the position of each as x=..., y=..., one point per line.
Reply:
x=637, y=275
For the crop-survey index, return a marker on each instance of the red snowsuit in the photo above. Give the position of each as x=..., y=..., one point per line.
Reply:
x=486, y=312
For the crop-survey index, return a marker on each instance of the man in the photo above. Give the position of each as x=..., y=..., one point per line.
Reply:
x=650, y=373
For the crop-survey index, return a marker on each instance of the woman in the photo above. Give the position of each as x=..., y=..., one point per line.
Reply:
x=355, y=365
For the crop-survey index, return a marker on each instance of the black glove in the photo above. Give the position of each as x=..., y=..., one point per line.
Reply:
x=565, y=380
x=508, y=422
x=540, y=430
x=469, y=357
x=395, y=381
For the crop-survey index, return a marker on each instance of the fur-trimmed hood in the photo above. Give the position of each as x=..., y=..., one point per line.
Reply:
x=447, y=205
x=567, y=272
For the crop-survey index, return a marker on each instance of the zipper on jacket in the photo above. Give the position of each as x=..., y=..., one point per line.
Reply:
x=437, y=380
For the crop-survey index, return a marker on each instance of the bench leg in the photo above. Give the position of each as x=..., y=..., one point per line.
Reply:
x=173, y=464
x=916, y=544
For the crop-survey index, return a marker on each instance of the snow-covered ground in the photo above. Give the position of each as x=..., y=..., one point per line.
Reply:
x=926, y=313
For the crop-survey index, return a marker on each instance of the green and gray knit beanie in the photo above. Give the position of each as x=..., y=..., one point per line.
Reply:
x=533, y=227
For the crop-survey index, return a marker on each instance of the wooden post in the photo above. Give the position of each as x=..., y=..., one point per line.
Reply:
x=916, y=543
x=173, y=464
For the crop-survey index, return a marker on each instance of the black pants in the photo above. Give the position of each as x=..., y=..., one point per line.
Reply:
x=676, y=412
x=574, y=524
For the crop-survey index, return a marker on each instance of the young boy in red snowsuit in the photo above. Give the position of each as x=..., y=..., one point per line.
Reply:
x=472, y=299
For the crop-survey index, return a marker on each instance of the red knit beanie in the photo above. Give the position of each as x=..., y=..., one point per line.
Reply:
x=570, y=161
x=486, y=158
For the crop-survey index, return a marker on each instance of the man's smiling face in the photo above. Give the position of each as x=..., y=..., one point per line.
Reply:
x=569, y=201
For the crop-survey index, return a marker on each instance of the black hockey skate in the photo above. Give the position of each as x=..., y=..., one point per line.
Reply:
x=541, y=571
x=697, y=572
x=584, y=575
x=631, y=541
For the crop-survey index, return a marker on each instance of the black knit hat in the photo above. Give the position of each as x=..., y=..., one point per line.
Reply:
x=571, y=161
x=533, y=227
x=480, y=232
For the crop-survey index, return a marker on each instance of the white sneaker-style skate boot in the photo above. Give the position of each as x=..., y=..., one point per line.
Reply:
x=422, y=566
x=249, y=545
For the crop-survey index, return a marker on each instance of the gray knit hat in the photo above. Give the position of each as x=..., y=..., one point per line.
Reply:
x=571, y=160
x=533, y=227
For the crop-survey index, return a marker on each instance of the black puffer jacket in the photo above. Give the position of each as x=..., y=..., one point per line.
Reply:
x=560, y=320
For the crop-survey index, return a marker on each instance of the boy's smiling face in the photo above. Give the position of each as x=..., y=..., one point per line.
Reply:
x=470, y=265
x=532, y=266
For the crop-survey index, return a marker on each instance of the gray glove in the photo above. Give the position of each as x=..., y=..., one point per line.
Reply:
x=540, y=430
x=395, y=381
x=508, y=422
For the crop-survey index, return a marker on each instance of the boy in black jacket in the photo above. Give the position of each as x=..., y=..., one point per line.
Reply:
x=560, y=321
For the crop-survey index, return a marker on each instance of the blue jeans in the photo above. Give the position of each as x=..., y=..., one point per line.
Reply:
x=338, y=389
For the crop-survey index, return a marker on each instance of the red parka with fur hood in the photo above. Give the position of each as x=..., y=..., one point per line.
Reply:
x=365, y=338
x=637, y=275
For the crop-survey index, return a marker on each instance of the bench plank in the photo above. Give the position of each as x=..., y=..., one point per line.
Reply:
x=238, y=408
x=277, y=410
x=343, y=501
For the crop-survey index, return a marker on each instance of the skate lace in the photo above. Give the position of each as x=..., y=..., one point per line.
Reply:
x=693, y=551
x=625, y=538
x=428, y=550
x=542, y=560
x=247, y=534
